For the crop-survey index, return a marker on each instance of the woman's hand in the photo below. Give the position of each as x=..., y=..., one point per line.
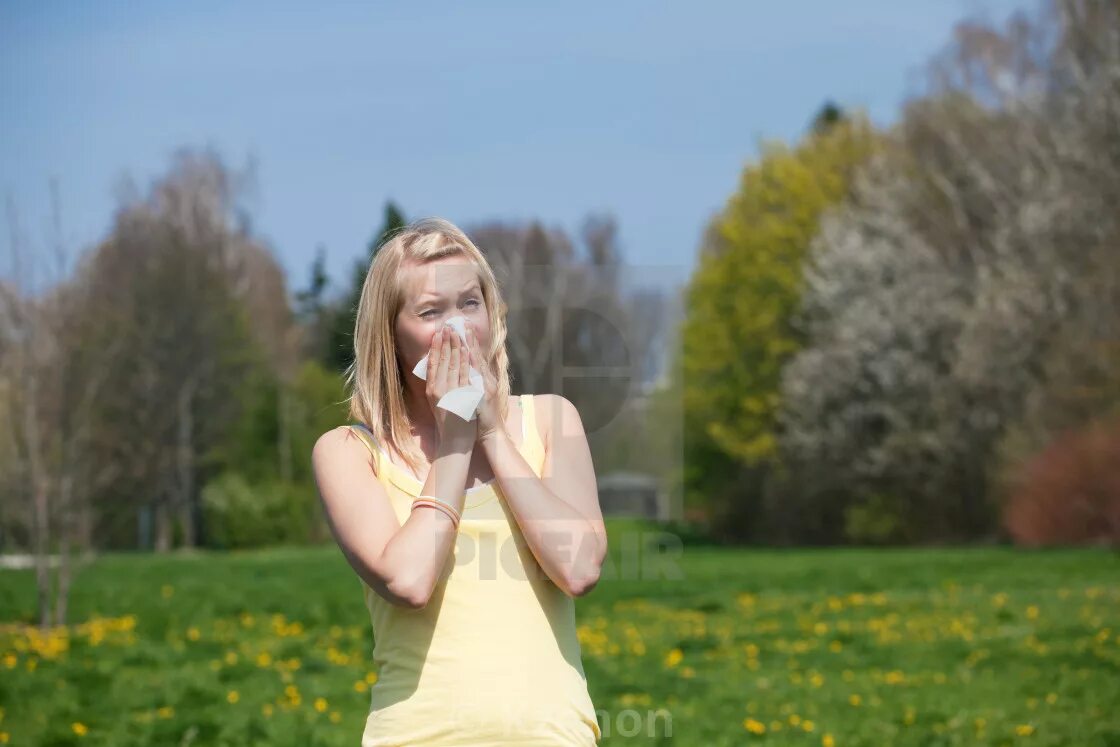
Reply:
x=490, y=421
x=448, y=366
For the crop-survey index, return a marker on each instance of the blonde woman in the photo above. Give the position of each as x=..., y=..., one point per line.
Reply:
x=471, y=538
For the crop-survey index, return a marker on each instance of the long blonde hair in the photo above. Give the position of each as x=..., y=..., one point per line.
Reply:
x=375, y=379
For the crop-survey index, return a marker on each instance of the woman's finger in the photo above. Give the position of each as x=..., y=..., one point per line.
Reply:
x=453, y=366
x=464, y=365
x=433, y=351
x=444, y=353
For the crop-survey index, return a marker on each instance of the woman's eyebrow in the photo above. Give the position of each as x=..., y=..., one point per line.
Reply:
x=429, y=295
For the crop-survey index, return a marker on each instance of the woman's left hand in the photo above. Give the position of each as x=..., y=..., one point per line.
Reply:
x=490, y=422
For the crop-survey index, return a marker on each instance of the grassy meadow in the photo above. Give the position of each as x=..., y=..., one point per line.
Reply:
x=834, y=647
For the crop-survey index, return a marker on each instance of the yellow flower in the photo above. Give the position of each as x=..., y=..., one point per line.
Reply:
x=233, y=696
x=335, y=717
x=193, y=634
x=828, y=741
x=320, y=704
x=808, y=725
x=266, y=709
x=3, y=737
x=854, y=699
x=673, y=658
x=754, y=727
x=1032, y=612
x=79, y=728
x=263, y=659
x=1024, y=730
x=166, y=712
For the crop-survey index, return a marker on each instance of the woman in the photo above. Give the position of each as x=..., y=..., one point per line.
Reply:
x=471, y=537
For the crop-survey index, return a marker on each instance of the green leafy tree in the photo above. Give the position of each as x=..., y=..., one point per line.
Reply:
x=738, y=331
x=340, y=332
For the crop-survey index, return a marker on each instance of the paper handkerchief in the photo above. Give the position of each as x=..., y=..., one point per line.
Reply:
x=463, y=401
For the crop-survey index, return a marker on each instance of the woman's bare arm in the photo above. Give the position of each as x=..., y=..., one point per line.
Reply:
x=401, y=562
x=559, y=512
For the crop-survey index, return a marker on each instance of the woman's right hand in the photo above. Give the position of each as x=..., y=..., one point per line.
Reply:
x=448, y=368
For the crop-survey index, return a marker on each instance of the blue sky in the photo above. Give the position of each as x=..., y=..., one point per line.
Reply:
x=470, y=111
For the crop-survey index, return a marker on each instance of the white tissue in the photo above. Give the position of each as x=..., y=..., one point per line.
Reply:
x=463, y=401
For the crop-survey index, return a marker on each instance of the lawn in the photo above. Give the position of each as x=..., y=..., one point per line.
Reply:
x=737, y=647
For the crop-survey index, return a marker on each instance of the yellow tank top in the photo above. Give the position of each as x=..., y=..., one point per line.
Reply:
x=493, y=658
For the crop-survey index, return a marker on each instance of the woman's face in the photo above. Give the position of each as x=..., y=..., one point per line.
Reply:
x=434, y=292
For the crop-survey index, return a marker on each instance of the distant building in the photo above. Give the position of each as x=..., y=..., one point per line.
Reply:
x=633, y=494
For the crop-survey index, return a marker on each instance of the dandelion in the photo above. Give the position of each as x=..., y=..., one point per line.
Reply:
x=233, y=696
x=320, y=704
x=673, y=658
x=754, y=727
x=79, y=728
x=166, y=712
x=855, y=699
x=828, y=741
x=1024, y=730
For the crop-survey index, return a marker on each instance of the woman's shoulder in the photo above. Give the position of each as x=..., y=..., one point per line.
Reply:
x=352, y=438
x=549, y=409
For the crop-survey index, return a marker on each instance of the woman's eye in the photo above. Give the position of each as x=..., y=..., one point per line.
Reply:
x=475, y=301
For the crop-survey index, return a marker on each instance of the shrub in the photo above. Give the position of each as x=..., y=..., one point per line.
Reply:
x=1069, y=493
x=238, y=513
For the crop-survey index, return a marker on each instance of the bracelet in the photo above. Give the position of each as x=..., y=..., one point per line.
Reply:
x=440, y=501
x=447, y=508
x=438, y=507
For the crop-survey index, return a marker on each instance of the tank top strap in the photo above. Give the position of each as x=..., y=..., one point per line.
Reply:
x=365, y=435
x=532, y=445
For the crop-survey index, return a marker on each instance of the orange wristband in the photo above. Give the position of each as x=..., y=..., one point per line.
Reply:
x=440, y=506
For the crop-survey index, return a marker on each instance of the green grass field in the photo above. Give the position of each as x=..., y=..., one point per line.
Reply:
x=798, y=647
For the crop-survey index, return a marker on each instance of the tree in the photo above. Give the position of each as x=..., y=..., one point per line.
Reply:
x=738, y=333
x=343, y=314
